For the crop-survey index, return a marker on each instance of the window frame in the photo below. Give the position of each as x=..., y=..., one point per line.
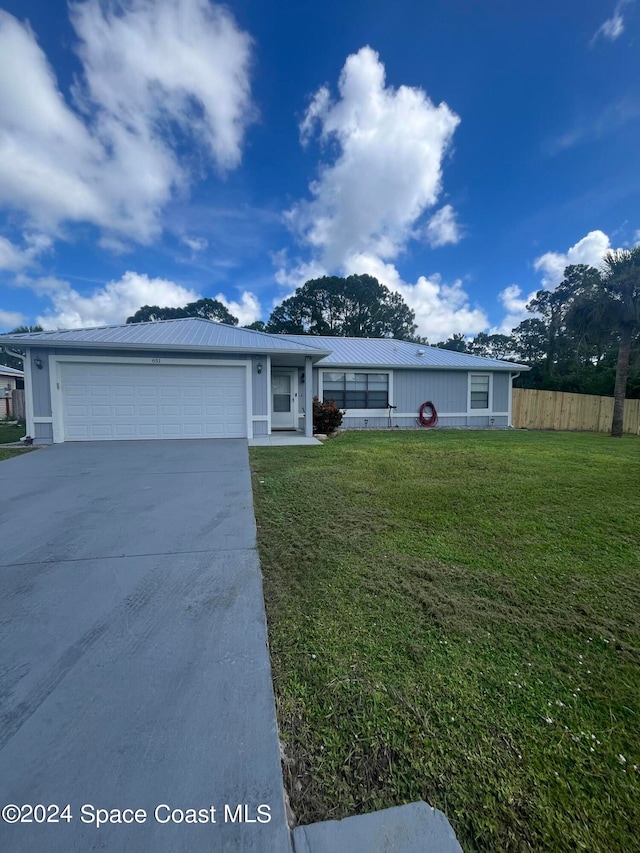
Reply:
x=483, y=373
x=359, y=413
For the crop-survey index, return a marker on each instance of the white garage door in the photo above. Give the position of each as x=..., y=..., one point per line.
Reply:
x=104, y=401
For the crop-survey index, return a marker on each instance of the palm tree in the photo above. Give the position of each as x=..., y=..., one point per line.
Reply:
x=621, y=291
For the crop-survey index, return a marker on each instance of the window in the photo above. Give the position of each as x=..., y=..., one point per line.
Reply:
x=479, y=391
x=356, y=390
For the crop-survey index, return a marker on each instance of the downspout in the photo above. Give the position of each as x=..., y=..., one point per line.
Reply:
x=8, y=351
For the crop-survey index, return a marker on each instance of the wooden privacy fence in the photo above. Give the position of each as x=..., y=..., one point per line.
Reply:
x=559, y=410
x=17, y=405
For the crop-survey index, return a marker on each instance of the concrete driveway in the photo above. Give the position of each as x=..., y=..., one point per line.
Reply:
x=133, y=660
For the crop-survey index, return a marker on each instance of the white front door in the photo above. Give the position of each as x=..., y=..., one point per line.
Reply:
x=284, y=399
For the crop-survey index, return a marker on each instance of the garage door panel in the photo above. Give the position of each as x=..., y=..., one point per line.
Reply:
x=128, y=401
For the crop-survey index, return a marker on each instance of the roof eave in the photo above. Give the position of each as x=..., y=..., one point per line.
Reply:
x=509, y=366
x=24, y=342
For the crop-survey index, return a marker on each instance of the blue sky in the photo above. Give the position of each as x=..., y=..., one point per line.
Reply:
x=157, y=151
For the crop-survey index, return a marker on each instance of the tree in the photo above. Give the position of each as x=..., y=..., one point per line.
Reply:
x=358, y=306
x=492, y=346
x=9, y=360
x=615, y=306
x=257, y=326
x=456, y=343
x=207, y=309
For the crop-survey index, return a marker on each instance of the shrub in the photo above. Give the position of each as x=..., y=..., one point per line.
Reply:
x=327, y=417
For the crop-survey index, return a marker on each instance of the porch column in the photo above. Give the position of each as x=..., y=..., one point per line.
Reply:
x=308, y=397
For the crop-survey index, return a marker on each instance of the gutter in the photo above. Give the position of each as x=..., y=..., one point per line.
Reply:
x=13, y=353
x=157, y=347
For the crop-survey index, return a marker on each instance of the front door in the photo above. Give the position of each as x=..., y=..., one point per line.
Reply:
x=284, y=399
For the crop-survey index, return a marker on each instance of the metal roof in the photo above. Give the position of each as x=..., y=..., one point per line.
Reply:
x=390, y=352
x=10, y=371
x=192, y=333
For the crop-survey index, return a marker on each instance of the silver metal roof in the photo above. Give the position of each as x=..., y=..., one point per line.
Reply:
x=194, y=333
x=389, y=352
x=10, y=371
x=191, y=333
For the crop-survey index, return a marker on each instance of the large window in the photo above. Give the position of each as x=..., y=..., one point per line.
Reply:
x=356, y=390
x=479, y=391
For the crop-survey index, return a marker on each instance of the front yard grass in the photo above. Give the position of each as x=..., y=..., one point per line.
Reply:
x=455, y=616
x=10, y=433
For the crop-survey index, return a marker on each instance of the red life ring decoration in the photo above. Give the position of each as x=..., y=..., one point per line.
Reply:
x=428, y=416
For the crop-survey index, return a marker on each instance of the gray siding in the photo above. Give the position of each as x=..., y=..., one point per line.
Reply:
x=411, y=423
x=259, y=389
x=447, y=390
x=501, y=385
x=260, y=428
x=43, y=433
x=40, y=378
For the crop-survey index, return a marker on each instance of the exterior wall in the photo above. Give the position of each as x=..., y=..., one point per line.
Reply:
x=41, y=390
x=260, y=428
x=501, y=386
x=43, y=433
x=448, y=390
x=411, y=423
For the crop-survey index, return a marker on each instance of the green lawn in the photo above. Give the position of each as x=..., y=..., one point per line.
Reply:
x=9, y=434
x=455, y=616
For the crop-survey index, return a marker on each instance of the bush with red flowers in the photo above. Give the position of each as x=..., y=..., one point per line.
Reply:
x=327, y=417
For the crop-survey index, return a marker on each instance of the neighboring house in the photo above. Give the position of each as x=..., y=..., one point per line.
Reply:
x=10, y=380
x=194, y=378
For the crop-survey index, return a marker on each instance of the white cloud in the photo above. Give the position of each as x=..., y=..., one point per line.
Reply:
x=388, y=169
x=589, y=250
x=154, y=71
x=367, y=201
x=14, y=258
x=441, y=309
x=196, y=244
x=516, y=307
x=10, y=319
x=442, y=228
x=247, y=310
x=108, y=305
x=613, y=27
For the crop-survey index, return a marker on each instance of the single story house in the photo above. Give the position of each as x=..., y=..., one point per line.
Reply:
x=194, y=378
x=10, y=381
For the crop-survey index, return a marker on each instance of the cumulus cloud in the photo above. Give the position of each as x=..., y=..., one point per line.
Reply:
x=589, y=250
x=153, y=72
x=442, y=228
x=515, y=304
x=387, y=170
x=247, y=310
x=14, y=258
x=613, y=27
x=369, y=198
x=440, y=308
x=108, y=305
x=10, y=319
